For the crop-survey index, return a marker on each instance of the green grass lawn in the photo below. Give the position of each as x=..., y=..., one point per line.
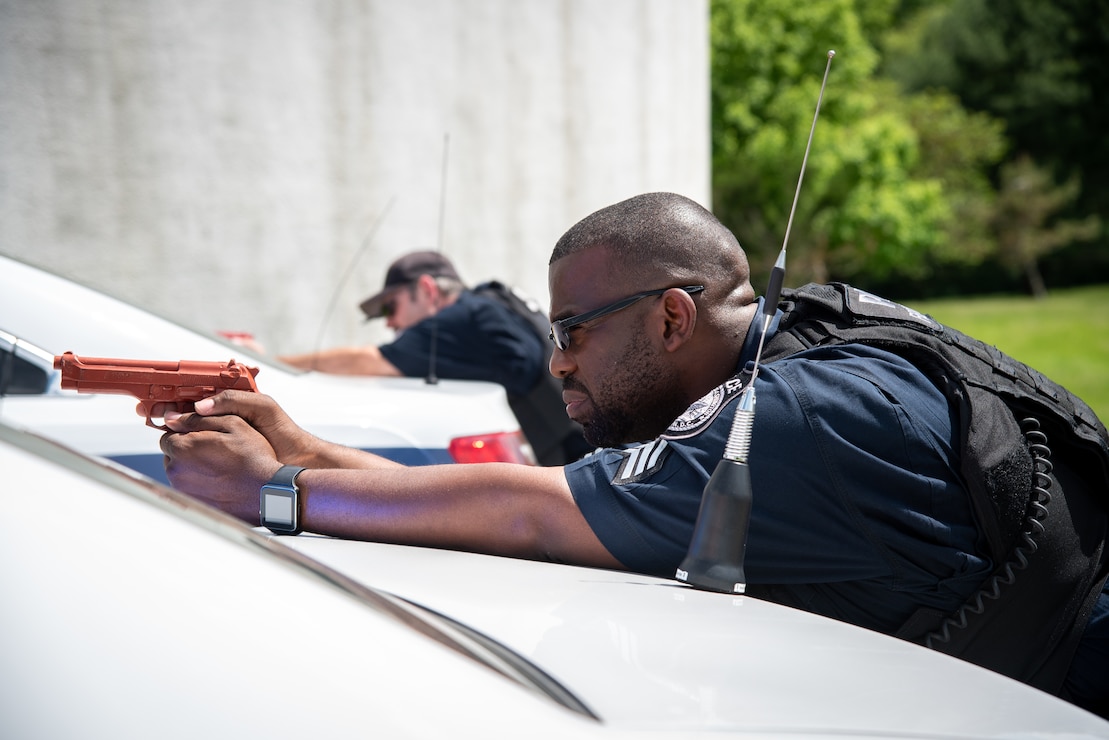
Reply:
x=1065, y=336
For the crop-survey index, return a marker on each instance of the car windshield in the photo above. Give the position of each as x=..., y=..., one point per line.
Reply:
x=25, y=370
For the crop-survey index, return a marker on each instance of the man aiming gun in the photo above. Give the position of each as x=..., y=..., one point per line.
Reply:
x=861, y=510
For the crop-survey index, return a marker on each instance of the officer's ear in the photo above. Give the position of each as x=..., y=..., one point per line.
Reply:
x=426, y=285
x=678, y=313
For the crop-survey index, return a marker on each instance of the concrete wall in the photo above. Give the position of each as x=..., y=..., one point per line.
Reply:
x=255, y=165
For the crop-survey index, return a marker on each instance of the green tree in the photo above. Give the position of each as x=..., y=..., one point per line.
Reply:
x=1038, y=66
x=959, y=148
x=874, y=201
x=1028, y=199
x=883, y=218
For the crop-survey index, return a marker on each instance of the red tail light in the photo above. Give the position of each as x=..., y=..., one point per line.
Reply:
x=500, y=447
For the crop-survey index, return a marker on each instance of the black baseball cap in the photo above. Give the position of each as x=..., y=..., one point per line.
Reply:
x=405, y=271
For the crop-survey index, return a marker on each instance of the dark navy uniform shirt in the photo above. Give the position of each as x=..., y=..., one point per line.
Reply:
x=858, y=510
x=475, y=338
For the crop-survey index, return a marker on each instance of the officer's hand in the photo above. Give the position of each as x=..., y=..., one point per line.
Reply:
x=221, y=460
x=290, y=443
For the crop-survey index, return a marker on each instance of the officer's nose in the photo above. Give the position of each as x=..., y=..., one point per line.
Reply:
x=562, y=363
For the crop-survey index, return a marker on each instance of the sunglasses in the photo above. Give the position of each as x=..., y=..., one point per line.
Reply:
x=560, y=330
x=389, y=307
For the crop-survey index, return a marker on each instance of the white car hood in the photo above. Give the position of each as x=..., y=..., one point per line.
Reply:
x=646, y=652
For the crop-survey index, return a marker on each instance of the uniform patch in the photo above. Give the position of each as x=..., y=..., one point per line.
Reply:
x=641, y=462
x=704, y=410
x=868, y=304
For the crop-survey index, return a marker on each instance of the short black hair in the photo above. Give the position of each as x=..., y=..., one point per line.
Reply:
x=664, y=236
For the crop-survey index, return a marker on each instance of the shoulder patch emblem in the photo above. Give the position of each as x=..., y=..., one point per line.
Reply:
x=641, y=462
x=868, y=304
x=704, y=410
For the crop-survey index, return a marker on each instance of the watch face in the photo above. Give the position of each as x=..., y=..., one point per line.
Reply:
x=279, y=508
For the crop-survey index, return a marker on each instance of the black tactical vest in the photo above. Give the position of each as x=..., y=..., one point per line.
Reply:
x=1035, y=461
x=554, y=437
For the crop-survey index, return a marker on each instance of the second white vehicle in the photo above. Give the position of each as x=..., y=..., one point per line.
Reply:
x=405, y=419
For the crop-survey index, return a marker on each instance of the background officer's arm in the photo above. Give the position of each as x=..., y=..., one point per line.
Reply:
x=366, y=360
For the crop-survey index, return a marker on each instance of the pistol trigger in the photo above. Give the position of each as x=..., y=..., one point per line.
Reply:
x=161, y=427
x=147, y=407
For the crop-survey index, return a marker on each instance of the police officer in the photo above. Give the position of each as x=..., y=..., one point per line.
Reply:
x=426, y=303
x=446, y=331
x=859, y=513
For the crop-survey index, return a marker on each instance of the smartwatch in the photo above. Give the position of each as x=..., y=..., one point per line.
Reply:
x=279, y=504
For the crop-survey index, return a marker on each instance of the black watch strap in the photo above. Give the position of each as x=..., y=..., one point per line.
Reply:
x=279, y=501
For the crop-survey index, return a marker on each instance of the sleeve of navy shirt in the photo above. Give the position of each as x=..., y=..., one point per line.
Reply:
x=858, y=511
x=475, y=338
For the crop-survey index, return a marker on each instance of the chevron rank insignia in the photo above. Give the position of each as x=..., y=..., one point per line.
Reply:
x=641, y=462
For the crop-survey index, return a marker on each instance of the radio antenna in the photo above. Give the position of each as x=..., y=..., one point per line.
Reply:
x=714, y=561
x=432, y=378
x=366, y=241
x=778, y=272
x=443, y=189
